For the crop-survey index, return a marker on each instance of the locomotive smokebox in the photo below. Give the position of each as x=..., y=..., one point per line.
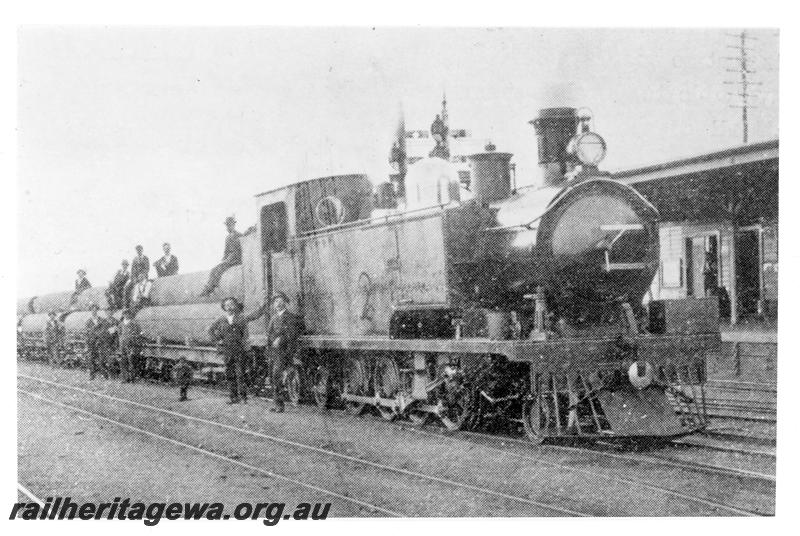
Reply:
x=554, y=128
x=491, y=175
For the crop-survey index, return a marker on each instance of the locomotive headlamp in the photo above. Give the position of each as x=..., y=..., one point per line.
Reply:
x=640, y=374
x=589, y=148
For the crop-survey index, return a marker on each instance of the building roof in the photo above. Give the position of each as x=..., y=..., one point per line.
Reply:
x=740, y=154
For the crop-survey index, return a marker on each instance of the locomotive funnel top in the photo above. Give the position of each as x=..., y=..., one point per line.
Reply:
x=555, y=127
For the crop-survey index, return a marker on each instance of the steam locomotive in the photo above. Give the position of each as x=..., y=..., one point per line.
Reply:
x=476, y=305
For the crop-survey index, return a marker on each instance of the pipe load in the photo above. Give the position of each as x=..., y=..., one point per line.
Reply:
x=24, y=306
x=34, y=325
x=54, y=302
x=91, y=296
x=75, y=323
x=183, y=289
x=179, y=324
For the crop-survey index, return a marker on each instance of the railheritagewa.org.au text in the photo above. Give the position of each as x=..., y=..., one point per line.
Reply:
x=270, y=513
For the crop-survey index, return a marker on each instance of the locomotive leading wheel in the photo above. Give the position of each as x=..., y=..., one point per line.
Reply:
x=355, y=382
x=293, y=385
x=387, y=384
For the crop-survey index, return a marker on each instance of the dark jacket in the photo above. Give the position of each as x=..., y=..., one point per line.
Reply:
x=182, y=372
x=232, y=338
x=97, y=332
x=81, y=285
x=165, y=268
x=233, y=249
x=120, y=280
x=286, y=329
x=140, y=266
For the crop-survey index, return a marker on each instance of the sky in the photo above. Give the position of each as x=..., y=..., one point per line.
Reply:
x=140, y=135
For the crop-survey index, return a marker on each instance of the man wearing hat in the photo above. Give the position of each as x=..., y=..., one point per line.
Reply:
x=282, y=333
x=116, y=287
x=168, y=264
x=98, y=343
x=231, y=257
x=230, y=334
x=81, y=284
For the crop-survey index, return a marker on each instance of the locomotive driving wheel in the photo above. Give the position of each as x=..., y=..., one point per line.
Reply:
x=387, y=385
x=355, y=383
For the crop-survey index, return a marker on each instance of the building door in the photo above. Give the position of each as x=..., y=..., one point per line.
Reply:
x=702, y=266
x=748, y=271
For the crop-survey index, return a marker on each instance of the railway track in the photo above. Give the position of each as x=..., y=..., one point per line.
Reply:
x=719, y=447
x=488, y=442
x=559, y=510
x=663, y=461
x=741, y=400
x=211, y=454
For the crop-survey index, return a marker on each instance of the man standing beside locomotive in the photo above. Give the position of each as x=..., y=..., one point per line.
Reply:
x=231, y=257
x=168, y=264
x=282, y=334
x=230, y=334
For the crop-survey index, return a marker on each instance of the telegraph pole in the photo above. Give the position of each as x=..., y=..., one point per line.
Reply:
x=743, y=69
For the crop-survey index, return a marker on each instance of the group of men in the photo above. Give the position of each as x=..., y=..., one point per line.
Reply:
x=130, y=288
x=104, y=335
x=230, y=334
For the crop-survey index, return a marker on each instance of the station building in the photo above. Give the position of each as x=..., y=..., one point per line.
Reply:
x=719, y=228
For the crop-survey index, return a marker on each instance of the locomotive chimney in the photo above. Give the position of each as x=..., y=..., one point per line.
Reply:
x=554, y=128
x=491, y=175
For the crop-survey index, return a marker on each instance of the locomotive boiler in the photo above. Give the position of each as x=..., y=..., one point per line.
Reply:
x=476, y=305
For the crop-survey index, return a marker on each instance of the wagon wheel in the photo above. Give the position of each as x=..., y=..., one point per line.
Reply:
x=321, y=386
x=532, y=419
x=387, y=384
x=457, y=409
x=293, y=385
x=355, y=380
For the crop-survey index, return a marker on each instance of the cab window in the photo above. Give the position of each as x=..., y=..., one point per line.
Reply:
x=273, y=227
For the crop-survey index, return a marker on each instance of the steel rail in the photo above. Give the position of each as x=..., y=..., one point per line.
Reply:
x=215, y=455
x=652, y=459
x=320, y=450
x=587, y=472
x=724, y=448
